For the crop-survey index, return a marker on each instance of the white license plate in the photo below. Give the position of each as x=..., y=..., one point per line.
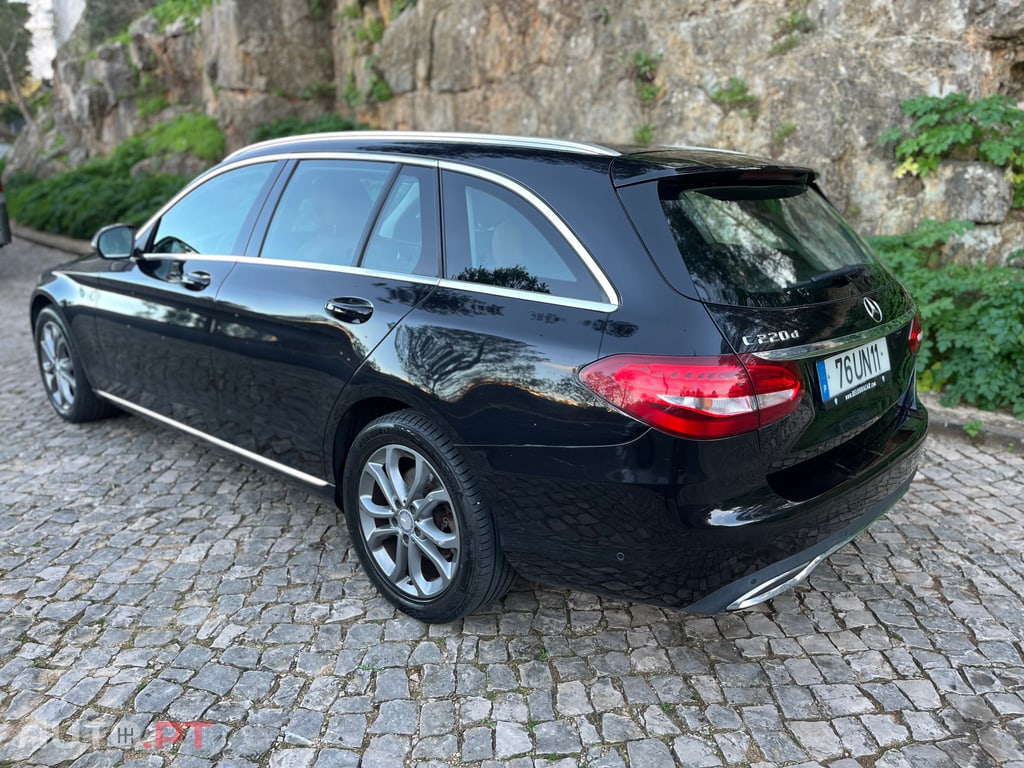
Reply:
x=853, y=372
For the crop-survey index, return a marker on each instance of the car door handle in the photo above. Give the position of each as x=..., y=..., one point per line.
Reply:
x=196, y=280
x=351, y=309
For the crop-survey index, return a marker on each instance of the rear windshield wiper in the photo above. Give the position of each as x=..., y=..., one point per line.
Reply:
x=833, y=277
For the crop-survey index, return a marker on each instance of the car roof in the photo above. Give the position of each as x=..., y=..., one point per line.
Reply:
x=627, y=164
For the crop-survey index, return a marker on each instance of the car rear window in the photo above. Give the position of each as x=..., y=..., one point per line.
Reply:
x=765, y=244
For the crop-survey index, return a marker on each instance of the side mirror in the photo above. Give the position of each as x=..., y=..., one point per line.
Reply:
x=116, y=241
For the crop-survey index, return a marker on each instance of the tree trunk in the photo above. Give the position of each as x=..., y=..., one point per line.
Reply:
x=16, y=90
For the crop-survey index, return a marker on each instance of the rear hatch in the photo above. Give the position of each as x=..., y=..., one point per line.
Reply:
x=786, y=279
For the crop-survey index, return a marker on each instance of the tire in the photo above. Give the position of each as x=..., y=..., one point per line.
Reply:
x=67, y=387
x=419, y=523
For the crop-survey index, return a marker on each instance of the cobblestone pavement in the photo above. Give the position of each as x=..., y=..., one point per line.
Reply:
x=145, y=580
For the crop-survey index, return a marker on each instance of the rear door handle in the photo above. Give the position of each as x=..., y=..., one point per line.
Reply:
x=350, y=309
x=196, y=280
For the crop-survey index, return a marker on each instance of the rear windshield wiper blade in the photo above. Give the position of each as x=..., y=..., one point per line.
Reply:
x=833, y=276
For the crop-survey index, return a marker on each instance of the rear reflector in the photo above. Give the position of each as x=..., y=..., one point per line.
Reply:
x=916, y=335
x=696, y=397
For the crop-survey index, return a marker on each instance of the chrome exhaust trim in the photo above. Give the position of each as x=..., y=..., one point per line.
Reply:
x=779, y=584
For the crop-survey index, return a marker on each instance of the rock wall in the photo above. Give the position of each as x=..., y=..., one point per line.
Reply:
x=807, y=81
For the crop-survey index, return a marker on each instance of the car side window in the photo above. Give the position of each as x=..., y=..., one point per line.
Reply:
x=405, y=237
x=324, y=211
x=211, y=218
x=494, y=236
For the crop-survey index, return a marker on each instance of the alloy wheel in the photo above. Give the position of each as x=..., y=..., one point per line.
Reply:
x=407, y=521
x=57, y=366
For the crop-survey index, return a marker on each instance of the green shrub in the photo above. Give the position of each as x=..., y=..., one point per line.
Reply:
x=76, y=203
x=169, y=11
x=378, y=90
x=79, y=202
x=735, y=94
x=318, y=90
x=991, y=129
x=974, y=328
x=293, y=126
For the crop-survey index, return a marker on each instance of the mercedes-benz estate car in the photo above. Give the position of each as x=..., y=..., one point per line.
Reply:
x=667, y=374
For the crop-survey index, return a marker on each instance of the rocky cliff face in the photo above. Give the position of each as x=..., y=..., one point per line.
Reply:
x=807, y=81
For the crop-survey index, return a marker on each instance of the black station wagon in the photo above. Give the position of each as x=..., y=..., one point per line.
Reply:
x=671, y=375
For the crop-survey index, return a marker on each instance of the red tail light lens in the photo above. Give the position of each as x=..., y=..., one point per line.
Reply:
x=697, y=397
x=916, y=335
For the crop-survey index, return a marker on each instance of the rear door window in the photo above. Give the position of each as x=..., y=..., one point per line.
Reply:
x=405, y=237
x=495, y=237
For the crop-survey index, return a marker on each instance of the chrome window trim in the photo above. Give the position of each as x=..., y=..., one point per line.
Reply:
x=556, y=221
x=611, y=303
x=247, y=454
x=836, y=345
x=484, y=288
x=517, y=293
x=440, y=137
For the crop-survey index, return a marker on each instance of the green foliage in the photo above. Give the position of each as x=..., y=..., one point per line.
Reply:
x=735, y=94
x=974, y=329
x=796, y=21
x=76, y=203
x=318, y=90
x=372, y=32
x=645, y=74
x=401, y=5
x=350, y=93
x=169, y=11
x=191, y=134
x=293, y=126
x=79, y=202
x=643, y=134
x=316, y=8
x=378, y=89
x=645, y=71
x=149, y=107
x=974, y=428
x=785, y=131
x=353, y=11
x=785, y=45
x=991, y=129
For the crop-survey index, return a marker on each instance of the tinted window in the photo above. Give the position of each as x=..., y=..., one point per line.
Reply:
x=493, y=236
x=764, y=245
x=211, y=218
x=324, y=211
x=405, y=237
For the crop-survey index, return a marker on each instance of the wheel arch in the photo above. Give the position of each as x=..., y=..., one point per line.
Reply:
x=38, y=303
x=351, y=423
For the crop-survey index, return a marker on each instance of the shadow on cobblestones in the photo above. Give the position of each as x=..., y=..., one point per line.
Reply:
x=164, y=605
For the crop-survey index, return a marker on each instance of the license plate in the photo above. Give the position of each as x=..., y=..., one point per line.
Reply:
x=844, y=376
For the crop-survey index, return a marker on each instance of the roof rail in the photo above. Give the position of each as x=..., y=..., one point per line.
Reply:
x=526, y=142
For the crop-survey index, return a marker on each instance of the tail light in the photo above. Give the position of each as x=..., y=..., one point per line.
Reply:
x=697, y=397
x=916, y=335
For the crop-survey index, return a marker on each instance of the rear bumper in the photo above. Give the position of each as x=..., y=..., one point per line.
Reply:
x=600, y=519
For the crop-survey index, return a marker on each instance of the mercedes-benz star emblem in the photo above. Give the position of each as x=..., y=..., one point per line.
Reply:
x=874, y=311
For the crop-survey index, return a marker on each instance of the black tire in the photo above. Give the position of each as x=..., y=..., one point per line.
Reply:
x=64, y=379
x=418, y=521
